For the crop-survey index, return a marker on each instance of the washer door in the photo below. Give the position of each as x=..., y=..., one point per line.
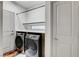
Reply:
x=31, y=47
x=19, y=42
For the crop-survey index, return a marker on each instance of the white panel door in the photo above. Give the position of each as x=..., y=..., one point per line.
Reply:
x=75, y=31
x=62, y=29
x=13, y=33
x=8, y=30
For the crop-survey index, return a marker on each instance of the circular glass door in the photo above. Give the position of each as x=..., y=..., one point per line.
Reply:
x=30, y=47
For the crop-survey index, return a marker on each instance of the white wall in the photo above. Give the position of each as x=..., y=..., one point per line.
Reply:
x=10, y=6
x=1, y=8
x=37, y=15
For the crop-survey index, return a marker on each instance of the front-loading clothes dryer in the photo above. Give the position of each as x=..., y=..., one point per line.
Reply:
x=32, y=45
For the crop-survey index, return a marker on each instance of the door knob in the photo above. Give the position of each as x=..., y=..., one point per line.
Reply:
x=12, y=33
x=56, y=38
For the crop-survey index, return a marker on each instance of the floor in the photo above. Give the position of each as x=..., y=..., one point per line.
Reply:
x=20, y=55
x=24, y=55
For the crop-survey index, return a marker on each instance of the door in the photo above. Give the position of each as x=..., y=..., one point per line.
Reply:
x=75, y=27
x=8, y=31
x=62, y=29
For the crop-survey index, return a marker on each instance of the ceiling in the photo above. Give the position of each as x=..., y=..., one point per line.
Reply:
x=28, y=4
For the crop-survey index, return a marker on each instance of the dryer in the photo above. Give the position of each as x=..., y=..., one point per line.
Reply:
x=32, y=45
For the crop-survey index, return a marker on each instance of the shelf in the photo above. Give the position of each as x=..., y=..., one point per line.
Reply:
x=36, y=31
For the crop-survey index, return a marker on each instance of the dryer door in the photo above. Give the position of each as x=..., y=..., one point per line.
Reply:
x=31, y=47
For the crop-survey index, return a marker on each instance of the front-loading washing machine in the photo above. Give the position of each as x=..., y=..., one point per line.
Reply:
x=19, y=41
x=31, y=45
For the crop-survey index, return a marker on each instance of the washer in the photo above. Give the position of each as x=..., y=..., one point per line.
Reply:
x=19, y=41
x=32, y=45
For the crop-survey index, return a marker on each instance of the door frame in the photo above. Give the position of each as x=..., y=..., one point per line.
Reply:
x=49, y=28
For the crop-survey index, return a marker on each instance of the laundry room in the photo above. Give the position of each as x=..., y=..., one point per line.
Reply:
x=24, y=30
x=39, y=28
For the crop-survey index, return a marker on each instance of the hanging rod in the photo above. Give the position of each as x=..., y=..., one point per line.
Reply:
x=30, y=9
x=33, y=23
